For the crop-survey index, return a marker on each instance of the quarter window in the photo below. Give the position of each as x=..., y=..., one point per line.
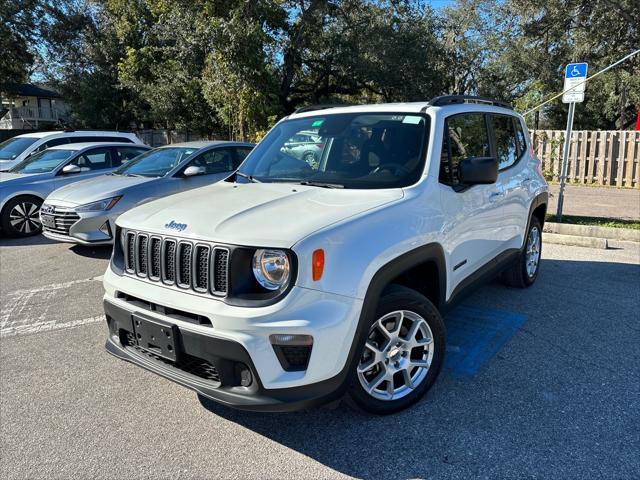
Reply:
x=465, y=136
x=505, y=135
x=522, y=141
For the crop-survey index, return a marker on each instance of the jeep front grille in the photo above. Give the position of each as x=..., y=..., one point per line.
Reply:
x=197, y=266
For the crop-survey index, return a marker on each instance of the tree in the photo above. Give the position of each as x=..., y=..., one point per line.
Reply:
x=18, y=27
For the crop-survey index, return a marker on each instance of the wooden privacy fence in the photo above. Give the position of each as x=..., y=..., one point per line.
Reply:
x=158, y=138
x=603, y=157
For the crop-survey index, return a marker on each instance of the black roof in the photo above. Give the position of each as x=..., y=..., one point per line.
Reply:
x=31, y=90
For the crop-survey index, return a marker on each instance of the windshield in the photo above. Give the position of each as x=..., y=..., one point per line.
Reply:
x=155, y=163
x=354, y=150
x=42, y=162
x=13, y=147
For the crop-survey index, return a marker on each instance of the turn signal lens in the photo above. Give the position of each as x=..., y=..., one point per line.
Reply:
x=317, y=264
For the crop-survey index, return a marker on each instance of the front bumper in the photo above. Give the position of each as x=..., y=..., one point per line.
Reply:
x=86, y=230
x=238, y=337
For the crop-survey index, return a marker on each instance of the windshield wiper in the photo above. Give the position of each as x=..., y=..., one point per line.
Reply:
x=251, y=178
x=133, y=175
x=321, y=184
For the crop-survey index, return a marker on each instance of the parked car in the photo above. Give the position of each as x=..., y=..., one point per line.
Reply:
x=85, y=212
x=306, y=145
x=25, y=186
x=287, y=286
x=16, y=149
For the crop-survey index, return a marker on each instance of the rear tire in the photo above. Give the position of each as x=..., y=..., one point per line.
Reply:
x=20, y=216
x=396, y=368
x=524, y=271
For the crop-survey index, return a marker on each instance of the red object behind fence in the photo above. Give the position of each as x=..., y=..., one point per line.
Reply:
x=638, y=122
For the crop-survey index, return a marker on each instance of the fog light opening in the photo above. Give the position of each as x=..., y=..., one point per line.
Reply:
x=106, y=229
x=293, y=351
x=244, y=374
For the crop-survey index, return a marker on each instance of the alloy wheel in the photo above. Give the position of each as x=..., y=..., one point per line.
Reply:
x=397, y=355
x=533, y=252
x=24, y=218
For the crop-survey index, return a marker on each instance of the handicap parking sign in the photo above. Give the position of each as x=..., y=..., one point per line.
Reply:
x=574, y=77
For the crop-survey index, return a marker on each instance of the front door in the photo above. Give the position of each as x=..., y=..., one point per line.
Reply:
x=474, y=234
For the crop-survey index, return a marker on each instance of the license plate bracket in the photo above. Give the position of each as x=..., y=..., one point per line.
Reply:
x=48, y=221
x=157, y=337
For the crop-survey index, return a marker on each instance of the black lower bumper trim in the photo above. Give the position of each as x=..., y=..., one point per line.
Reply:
x=224, y=355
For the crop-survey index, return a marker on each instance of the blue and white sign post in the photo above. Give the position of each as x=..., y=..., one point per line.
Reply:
x=575, y=76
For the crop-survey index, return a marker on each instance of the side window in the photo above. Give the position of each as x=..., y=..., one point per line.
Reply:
x=522, y=141
x=465, y=136
x=505, y=135
x=241, y=154
x=114, y=139
x=214, y=161
x=51, y=143
x=56, y=141
x=96, y=159
x=124, y=154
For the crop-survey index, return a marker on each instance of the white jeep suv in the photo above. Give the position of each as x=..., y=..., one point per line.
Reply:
x=293, y=284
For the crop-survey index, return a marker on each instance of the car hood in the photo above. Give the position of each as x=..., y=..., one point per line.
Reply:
x=258, y=214
x=11, y=179
x=96, y=188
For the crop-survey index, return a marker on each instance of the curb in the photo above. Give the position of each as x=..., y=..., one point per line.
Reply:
x=627, y=234
x=576, y=241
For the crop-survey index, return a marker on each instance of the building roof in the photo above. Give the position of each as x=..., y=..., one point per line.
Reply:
x=31, y=90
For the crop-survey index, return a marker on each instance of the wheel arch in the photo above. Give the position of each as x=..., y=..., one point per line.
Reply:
x=537, y=209
x=431, y=255
x=18, y=195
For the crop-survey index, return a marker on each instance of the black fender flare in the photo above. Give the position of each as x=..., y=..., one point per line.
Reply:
x=431, y=252
x=540, y=199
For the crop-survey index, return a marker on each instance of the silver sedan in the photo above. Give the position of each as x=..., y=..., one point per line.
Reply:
x=25, y=186
x=85, y=212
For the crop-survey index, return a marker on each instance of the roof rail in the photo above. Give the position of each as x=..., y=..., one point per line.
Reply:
x=311, y=108
x=457, y=99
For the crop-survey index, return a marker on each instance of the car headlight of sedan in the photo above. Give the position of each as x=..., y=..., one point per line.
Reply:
x=100, y=205
x=271, y=268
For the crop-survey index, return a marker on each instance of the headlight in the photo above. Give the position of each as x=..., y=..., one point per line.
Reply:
x=106, y=204
x=271, y=268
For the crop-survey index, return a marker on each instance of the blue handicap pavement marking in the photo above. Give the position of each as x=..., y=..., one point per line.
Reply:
x=475, y=335
x=576, y=70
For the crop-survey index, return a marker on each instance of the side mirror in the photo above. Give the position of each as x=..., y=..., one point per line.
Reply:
x=193, y=170
x=70, y=169
x=478, y=170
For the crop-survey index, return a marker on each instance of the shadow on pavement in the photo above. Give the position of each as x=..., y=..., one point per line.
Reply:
x=24, y=241
x=98, y=251
x=530, y=409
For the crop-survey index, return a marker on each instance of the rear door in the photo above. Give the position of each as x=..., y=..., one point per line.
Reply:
x=514, y=176
x=474, y=232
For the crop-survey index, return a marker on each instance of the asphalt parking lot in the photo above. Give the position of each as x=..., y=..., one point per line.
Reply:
x=554, y=392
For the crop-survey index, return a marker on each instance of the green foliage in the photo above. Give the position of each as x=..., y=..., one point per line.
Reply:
x=18, y=22
x=235, y=66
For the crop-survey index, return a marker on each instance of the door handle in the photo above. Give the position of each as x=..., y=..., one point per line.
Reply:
x=527, y=181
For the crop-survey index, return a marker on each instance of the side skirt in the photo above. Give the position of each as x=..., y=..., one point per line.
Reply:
x=478, y=278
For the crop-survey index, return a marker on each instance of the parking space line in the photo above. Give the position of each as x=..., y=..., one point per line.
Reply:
x=31, y=310
x=46, y=326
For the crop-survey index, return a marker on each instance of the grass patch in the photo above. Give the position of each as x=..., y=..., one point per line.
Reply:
x=597, y=221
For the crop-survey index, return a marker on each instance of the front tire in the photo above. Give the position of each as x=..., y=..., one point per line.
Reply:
x=524, y=271
x=20, y=216
x=402, y=354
